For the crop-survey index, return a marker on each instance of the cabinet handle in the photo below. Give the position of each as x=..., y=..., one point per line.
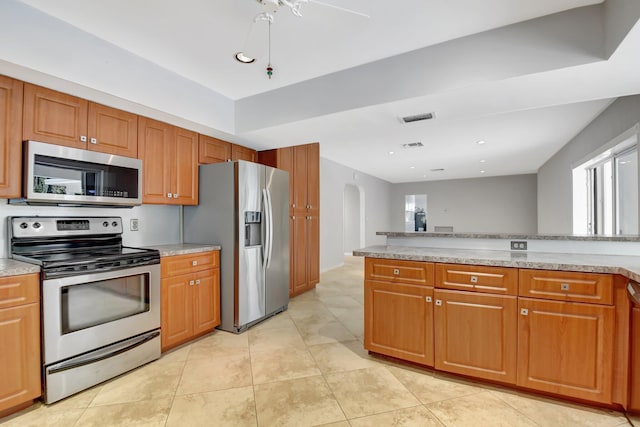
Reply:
x=194, y=263
x=293, y=205
x=94, y=141
x=83, y=138
x=169, y=195
x=438, y=302
x=564, y=286
x=197, y=281
x=308, y=206
x=190, y=282
x=175, y=195
x=293, y=217
x=428, y=299
x=524, y=311
x=474, y=279
x=396, y=272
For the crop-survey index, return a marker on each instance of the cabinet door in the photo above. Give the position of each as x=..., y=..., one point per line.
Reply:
x=176, y=310
x=566, y=348
x=299, y=254
x=54, y=117
x=206, y=301
x=112, y=131
x=238, y=152
x=475, y=334
x=285, y=162
x=398, y=321
x=299, y=199
x=20, y=350
x=10, y=137
x=156, y=140
x=185, y=187
x=313, y=179
x=313, y=250
x=634, y=402
x=213, y=150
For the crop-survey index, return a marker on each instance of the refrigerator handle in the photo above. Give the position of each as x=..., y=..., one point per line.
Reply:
x=270, y=228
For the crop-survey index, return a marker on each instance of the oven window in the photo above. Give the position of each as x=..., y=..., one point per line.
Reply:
x=95, y=303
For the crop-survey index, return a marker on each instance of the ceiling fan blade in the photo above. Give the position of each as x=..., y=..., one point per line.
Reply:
x=340, y=8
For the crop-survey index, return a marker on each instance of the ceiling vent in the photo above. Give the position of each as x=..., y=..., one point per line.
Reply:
x=413, y=145
x=418, y=118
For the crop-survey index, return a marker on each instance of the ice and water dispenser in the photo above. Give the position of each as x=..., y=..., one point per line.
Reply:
x=252, y=228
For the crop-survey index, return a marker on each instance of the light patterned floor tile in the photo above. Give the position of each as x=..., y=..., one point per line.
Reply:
x=479, y=410
x=203, y=375
x=341, y=301
x=77, y=401
x=275, y=339
x=220, y=344
x=280, y=320
x=336, y=424
x=148, y=413
x=343, y=356
x=304, y=309
x=296, y=403
x=280, y=365
x=369, y=391
x=635, y=419
x=430, y=388
x=39, y=415
x=323, y=332
x=418, y=416
x=225, y=408
x=560, y=414
x=179, y=354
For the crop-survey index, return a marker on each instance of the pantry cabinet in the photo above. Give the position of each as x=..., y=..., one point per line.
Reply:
x=19, y=341
x=10, y=137
x=62, y=119
x=170, y=163
x=398, y=316
x=190, y=297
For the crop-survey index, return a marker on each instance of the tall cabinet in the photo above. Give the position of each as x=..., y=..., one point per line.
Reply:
x=10, y=137
x=303, y=164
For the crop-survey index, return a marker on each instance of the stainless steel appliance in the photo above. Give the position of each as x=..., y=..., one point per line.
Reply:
x=100, y=300
x=244, y=208
x=68, y=176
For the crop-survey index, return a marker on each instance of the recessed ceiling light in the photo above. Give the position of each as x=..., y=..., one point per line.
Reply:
x=482, y=171
x=481, y=142
x=424, y=176
x=482, y=161
x=241, y=57
x=437, y=170
x=412, y=167
x=391, y=153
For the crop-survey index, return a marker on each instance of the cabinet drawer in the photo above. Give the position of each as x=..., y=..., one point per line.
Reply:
x=399, y=271
x=181, y=264
x=567, y=286
x=19, y=290
x=477, y=278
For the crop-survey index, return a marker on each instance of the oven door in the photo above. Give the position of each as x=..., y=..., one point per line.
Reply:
x=83, y=313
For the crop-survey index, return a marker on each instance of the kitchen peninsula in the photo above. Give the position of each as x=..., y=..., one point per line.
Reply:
x=555, y=318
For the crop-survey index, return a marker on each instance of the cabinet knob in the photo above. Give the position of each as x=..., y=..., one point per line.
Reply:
x=175, y=195
x=194, y=263
x=428, y=299
x=83, y=138
x=308, y=206
x=94, y=141
x=396, y=271
x=474, y=279
x=293, y=205
x=564, y=286
x=438, y=302
x=169, y=195
x=190, y=282
x=197, y=281
x=293, y=217
x=524, y=311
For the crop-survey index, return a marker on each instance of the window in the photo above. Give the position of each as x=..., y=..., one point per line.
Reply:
x=605, y=190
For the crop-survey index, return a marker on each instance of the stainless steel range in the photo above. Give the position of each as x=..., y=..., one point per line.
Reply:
x=100, y=300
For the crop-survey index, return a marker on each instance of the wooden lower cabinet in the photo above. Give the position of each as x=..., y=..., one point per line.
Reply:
x=634, y=400
x=190, y=302
x=476, y=334
x=566, y=348
x=19, y=341
x=398, y=320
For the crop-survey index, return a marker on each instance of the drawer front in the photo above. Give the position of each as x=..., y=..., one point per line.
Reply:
x=399, y=271
x=19, y=290
x=182, y=264
x=567, y=286
x=477, y=278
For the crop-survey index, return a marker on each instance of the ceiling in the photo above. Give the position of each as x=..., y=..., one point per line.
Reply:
x=523, y=76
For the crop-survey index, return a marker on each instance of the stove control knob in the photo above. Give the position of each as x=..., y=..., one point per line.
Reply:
x=114, y=223
x=23, y=225
x=105, y=224
x=36, y=225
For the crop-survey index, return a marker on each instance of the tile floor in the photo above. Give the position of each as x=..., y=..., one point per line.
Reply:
x=304, y=367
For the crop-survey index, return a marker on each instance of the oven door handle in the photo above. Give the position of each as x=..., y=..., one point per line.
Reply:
x=102, y=354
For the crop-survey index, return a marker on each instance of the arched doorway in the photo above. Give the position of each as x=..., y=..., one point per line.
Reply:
x=353, y=218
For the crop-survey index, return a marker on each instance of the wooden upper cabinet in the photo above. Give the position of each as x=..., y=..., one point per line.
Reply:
x=299, y=196
x=238, y=152
x=213, y=150
x=185, y=180
x=112, y=131
x=155, y=140
x=62, y=119
x=10, y=137
x=55, y=117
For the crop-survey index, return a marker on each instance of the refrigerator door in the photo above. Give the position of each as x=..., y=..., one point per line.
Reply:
x=250, y=286
x=277, y=271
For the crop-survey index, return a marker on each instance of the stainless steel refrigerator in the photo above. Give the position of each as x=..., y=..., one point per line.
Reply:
x=244, y=207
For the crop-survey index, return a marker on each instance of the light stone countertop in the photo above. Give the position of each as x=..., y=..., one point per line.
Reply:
x=628, y=266
x=463, y=235
x=11, y=267
x=183, y=248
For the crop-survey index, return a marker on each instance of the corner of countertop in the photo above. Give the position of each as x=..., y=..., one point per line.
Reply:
x=184, y=248
x=11, y=267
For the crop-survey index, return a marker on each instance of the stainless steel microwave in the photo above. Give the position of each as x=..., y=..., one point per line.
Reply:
x=69, y=176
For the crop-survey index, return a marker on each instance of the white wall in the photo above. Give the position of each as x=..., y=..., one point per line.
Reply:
x=504, y=204
x=555, y=176
x=351, y=224
x=158, y=224
x=333, y=178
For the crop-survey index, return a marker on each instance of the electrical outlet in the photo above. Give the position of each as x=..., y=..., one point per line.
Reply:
x=135, y=224
x=518, y=245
